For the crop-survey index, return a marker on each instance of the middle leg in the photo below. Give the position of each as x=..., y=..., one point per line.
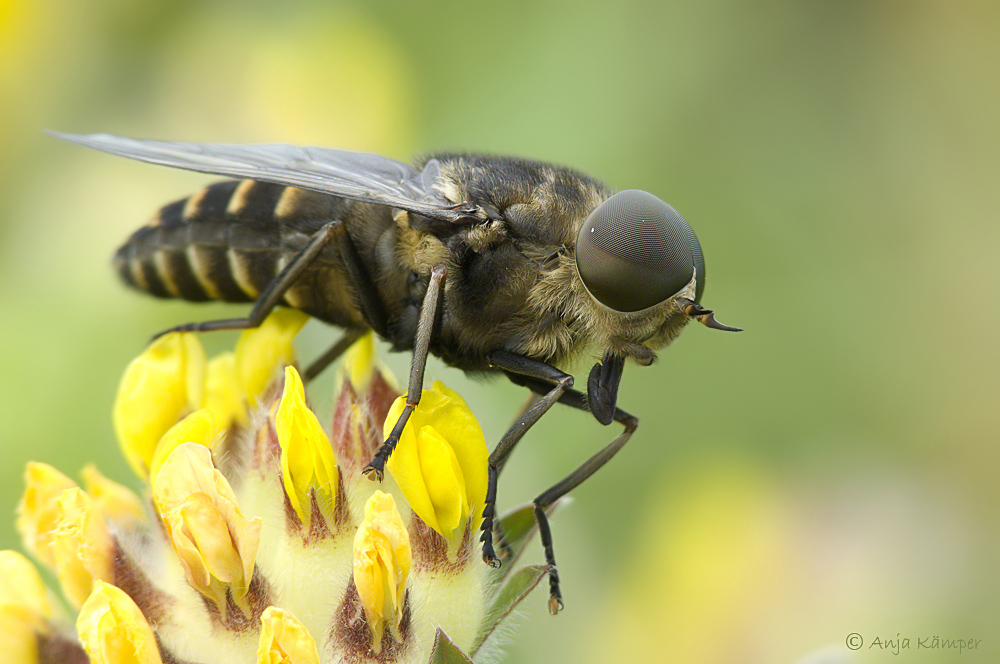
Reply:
x=578, y=400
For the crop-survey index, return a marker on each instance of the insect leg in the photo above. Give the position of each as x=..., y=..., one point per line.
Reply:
x=371, y=303
x=425, y=327
x=573, y=480
x=556, y=382
x=350, y=335
x=578, y=400
x=499, y=536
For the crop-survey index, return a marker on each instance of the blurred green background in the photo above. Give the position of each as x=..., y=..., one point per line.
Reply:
x=831, y=470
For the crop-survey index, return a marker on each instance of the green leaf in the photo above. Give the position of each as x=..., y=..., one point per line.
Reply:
x=519, y=586
x=446, y=652
x=518, y=528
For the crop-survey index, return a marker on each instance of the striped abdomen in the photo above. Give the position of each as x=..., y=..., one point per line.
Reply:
x=228, y=241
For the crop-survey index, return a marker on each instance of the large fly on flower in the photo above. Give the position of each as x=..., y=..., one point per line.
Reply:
x=494, y=264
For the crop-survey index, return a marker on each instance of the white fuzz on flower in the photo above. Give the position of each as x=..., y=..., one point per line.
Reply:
x=262, y=541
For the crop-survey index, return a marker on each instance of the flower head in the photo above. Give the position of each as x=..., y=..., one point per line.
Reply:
x=262, y=541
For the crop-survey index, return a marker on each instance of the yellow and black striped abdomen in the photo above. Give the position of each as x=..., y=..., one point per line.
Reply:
x=227, y=242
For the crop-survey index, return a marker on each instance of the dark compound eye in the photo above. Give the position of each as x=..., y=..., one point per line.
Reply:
x=635, y=251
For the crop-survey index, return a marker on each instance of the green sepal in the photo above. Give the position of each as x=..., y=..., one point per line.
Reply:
x=446, y=652
x=519, y=586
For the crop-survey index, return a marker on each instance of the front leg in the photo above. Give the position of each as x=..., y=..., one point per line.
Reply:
x=425, y=327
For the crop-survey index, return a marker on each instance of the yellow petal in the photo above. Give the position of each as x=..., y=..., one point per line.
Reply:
x=157, y=388
x=382, y=559
x=225, y=395
x=359, y=362
x=284, y=640
x=113, y=630
x=25, y=609
x=83, y=546
x=443, y=478
x=461, y=429
x=216, y=544
x=22, y=585
x=19, y=635
x=441, y=457
x=262, y=351
x=116, y=502
x=38, y=511
x=307, y=461
x=202, y=427
x=205, y=527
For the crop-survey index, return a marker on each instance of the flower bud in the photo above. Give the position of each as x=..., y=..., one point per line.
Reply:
x=366, y=393
x=113, y=630
x=202, y=427
x=262, y=351
x=284, y=640
x=158, y=388
x=440, y=461
x=216, y=545
x=381, y=565
x=25, y=609
x=224, y=395
x=38, y=511
x=83, y=546
x=308, y=467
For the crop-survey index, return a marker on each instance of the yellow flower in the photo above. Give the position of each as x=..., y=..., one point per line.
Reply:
x=38, y=511
x=308, y=467
x=202, y=583
x=202, y=427
x=113, y=629
x=366, y=393
x=216, y=545
x=25, y=609
x=113, y=500
x=360, y=364
x=381, y=565
x=224, y=396
x=440, y=461
x=284, y=640
x=158, y=388
x=83, y=546
x=263, y=350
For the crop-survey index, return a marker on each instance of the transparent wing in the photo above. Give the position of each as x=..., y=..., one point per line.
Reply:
x=355, y=175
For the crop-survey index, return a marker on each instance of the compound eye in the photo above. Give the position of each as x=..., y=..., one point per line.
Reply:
x=635, y=251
